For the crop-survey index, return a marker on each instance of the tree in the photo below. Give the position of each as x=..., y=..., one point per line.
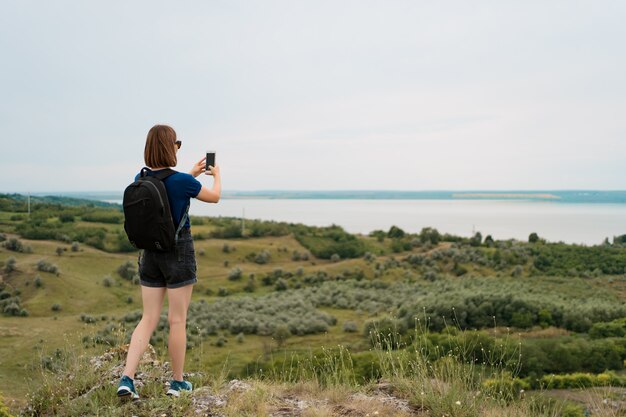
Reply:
x=477, y=239
x=395, y=232
x=281, y=333
x=533, y=238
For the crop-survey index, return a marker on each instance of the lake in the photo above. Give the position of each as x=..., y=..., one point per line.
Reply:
x=503, y=219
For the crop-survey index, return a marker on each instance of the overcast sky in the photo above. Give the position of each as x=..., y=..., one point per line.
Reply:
x=398, y=95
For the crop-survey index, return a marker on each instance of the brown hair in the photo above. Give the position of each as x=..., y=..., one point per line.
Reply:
x=160, y=150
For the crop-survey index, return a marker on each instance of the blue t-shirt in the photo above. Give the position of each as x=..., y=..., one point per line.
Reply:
x=181, y=187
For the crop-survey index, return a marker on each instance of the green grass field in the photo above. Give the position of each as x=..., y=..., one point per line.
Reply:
x=385, y=282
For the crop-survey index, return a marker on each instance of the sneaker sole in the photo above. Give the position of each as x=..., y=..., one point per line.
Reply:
x=173, y=393
x=127, y=395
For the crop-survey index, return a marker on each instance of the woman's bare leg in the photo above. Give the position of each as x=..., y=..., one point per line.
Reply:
x=178, y=299
x=152, y=299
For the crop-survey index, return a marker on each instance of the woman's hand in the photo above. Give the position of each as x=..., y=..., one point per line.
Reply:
x=213, y=170
x=198, y=168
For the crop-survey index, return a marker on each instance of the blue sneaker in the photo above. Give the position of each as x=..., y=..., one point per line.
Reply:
x=126, y=389
x=177, y=386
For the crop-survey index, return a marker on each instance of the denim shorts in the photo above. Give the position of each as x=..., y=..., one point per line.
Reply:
x=173, y=269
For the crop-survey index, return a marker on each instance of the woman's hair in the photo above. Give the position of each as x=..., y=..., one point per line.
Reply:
x=160, y=150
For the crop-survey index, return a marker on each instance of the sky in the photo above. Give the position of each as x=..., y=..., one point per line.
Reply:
x=316, y=95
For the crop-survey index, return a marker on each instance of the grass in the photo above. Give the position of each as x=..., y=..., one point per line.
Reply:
x=324, y=382
x=410, y=385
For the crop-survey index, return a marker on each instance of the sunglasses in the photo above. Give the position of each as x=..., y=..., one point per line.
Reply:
x=178, y=143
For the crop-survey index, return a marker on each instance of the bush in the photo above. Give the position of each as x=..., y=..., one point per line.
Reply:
x=250, y=285
x=56, y=307
x=127, y=270
x=10, y=265
x=66, y=218
x=87, y=318
x=227, y=249
x=75, y=246
x=430, y=235
x=38, y=281
x=16, y=245
x=281, y=285
x=12, y=309
x=281, y=334
x=262, y=258
x=107, y=281
x=45, y=266
x=335, y=257
x=324, y=242
x=350, y=327
x=395, y=232
x=235, y=274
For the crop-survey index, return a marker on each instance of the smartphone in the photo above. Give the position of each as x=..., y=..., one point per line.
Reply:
x=210, y=159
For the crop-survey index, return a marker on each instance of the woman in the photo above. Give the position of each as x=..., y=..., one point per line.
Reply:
x=172, y=273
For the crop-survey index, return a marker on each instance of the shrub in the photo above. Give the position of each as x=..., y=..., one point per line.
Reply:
x=281, y=334
x=56, y=307
x=281, y=285
x=222, y=292
x=85, y=318
x=38, y=281
x=107, y=281
x=10, y=265
x=45, y=266
x=16, y=245
x=350, y=327
x=127, y=270
x=395, y=232
x=335, y=257
x=262, y=258
x=66, y=218
x=517, y=271
x=75, y=246
x=59, y=251
x=240, y=338
x=12, y=309
x=250, y=285
x=235, y=274
x=226, y=248
x=430, y=235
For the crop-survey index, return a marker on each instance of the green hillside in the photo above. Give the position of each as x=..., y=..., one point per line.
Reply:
x=282, y=295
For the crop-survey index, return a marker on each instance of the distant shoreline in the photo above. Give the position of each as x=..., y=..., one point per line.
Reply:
x=489, y=196
x=553, y=196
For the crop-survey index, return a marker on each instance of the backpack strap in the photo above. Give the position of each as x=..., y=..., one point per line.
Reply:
x=161, y=174
x=183, y=220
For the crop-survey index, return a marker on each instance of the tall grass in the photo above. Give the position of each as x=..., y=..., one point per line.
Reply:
x=452, y=384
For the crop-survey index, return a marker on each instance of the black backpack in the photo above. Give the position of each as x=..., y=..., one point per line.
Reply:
x=147, y=217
